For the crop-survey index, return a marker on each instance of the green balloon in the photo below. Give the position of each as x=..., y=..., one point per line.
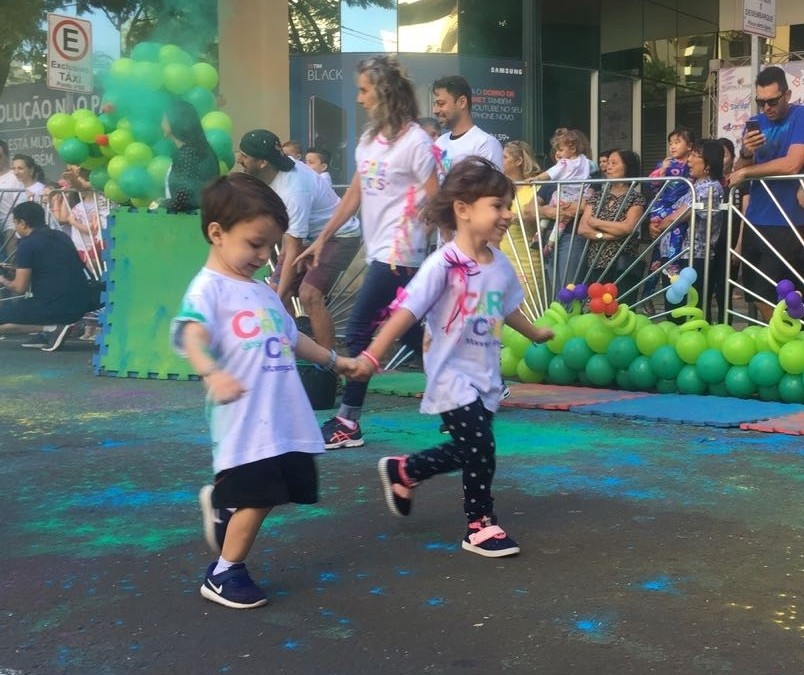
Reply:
x=220, y=141
x=717, y=334
x=688, y=381
x=650, y=338
x=217, y=120
x=738, y=348
x=158, y=168
x=791, y=388
x=641, y=321
x=508, y=362
x=666, y=363
x=761, y=342
x=73, y=151
x=203, y=100
x=120, y=139
x=205, y=75
x=582, y=322
x=164, y=147
x=768, y=393
x=711, y=366
x=598, y=337
x=599, y=370
x=146, y=131
x=641, y=373
x=764, y=369
x=538, y=357
x=791, y=357
x=576, y=353
x=113, y=191
x=718, y=389
x=61, y=126
x=138, y=154
x=739, y=383
x=136, y=182
x=172, y=54
x=671, y=330
x=88, y=128
x=525, y=374
x=149, y=74
x=81, y=113
x=558, y=372
x=117, y=166
x=562, y=333
x=98, y=178
x=517, y=343
x=624, y=380
x=666, y=386
x=122, y=68
x=178, y=78
x=146, y=51
x=621, y=351
x=689, y=345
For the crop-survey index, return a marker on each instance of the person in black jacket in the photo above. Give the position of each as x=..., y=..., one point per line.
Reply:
x=49, y=268
x=194, y=163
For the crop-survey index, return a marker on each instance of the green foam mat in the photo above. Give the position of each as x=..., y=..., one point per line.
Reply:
x=151, y=258
x=398, y=383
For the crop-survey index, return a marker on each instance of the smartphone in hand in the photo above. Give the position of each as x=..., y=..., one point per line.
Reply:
x=751, y=125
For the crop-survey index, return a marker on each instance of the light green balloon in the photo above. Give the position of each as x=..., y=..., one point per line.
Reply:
x=138, y=154
x=61, y=126
x=205, y=75
x=217, y=120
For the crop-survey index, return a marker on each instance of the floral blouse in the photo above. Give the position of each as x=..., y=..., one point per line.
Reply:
x=614, y=208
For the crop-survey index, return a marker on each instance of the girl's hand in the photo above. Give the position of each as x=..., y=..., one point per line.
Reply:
x=223, y=388
x=543, y=335
x=314, y=251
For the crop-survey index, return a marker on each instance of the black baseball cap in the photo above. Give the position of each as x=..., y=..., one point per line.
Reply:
x=263, y=144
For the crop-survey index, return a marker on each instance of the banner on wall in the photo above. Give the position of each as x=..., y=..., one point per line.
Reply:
x=324, y=112
x=735, y=89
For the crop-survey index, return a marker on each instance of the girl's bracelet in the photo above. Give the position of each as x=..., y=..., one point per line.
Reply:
x=333, y=357
x=372, y=359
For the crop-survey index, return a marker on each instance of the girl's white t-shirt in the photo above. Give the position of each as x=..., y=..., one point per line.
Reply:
x=392, y=179
x=253, y=338
x=464, y=305
x=576, y=168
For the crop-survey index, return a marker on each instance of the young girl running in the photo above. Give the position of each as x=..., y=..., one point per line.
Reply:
x=465, y=292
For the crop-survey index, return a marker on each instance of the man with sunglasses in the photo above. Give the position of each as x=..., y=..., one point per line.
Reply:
x=772, y=145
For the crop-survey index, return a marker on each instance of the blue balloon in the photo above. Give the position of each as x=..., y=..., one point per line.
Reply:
x=673, y=295
x=688, y=275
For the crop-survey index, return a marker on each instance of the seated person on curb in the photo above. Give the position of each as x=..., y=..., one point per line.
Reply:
x=49, y=267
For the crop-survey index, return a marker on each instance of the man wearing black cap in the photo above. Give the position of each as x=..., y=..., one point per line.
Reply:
x=310, y=203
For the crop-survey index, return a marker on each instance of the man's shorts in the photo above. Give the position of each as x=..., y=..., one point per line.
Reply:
x=288, y=478
x=755, y=251
x=335, y=257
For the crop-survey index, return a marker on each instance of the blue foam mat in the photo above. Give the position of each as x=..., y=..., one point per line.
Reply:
x=714, y=411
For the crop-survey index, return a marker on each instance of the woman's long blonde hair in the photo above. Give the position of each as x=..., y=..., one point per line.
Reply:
x=521, y=150
x=396, y=100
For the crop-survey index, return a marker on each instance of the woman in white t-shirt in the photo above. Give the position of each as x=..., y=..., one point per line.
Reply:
x=30, y=174
x=396, y=173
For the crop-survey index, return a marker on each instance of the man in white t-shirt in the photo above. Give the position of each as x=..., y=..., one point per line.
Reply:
x=10, y=193
x=453, y=107
x=310, y=203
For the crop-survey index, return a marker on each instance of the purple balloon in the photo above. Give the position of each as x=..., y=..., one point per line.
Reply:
x=565, y=295
x=793, y=300
x=783, y=288
x=581, y=292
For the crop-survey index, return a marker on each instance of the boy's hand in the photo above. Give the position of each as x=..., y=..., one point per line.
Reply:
x=544, y=334
x=364, y=369
x=223, y=388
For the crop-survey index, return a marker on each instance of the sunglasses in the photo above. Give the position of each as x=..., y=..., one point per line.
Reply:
x=772, y=102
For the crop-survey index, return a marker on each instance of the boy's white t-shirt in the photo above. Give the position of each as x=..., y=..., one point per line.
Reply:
x=473, y=142
x=576, y=168
x=310, y=203
x=464, y=306
x=253, y=338
x=392, y=179
x=11, y=194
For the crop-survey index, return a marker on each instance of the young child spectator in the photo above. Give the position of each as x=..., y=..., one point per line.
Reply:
x=571, y=165
x=465, y=292
x=293, y=149
x=243, y=344
x=679, y=145
x=318, y=160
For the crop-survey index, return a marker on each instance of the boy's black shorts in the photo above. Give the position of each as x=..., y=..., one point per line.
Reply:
x=288, y=478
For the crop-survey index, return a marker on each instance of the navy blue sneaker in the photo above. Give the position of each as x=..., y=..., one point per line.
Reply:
x=397, y=490
x=486, y=538
x=338, y=435
x=232, y=588
x=215, y=520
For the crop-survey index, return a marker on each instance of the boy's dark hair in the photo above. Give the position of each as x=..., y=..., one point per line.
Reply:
x=687, y=134
x=456, y=86
x=712, y=153
x=772, y=75
x=726, y=143
x=32, y=213
x=468, y=180
x=631, y=161
x=325, y=156
x=604, y=153
x=237, y=196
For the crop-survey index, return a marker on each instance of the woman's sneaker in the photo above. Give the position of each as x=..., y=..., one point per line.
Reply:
x=215, y=520
x=488, y=539
x=398, y=489
x=232, y=588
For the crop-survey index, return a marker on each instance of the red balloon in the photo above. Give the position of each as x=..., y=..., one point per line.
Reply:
x=595, y=290
x=102, y=139
x=596, y=305
x=611, y=307
x=610, y=288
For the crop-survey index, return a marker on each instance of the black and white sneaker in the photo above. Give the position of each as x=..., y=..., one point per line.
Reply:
x=215, y=520
x=232, y=588
x=56, y=338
